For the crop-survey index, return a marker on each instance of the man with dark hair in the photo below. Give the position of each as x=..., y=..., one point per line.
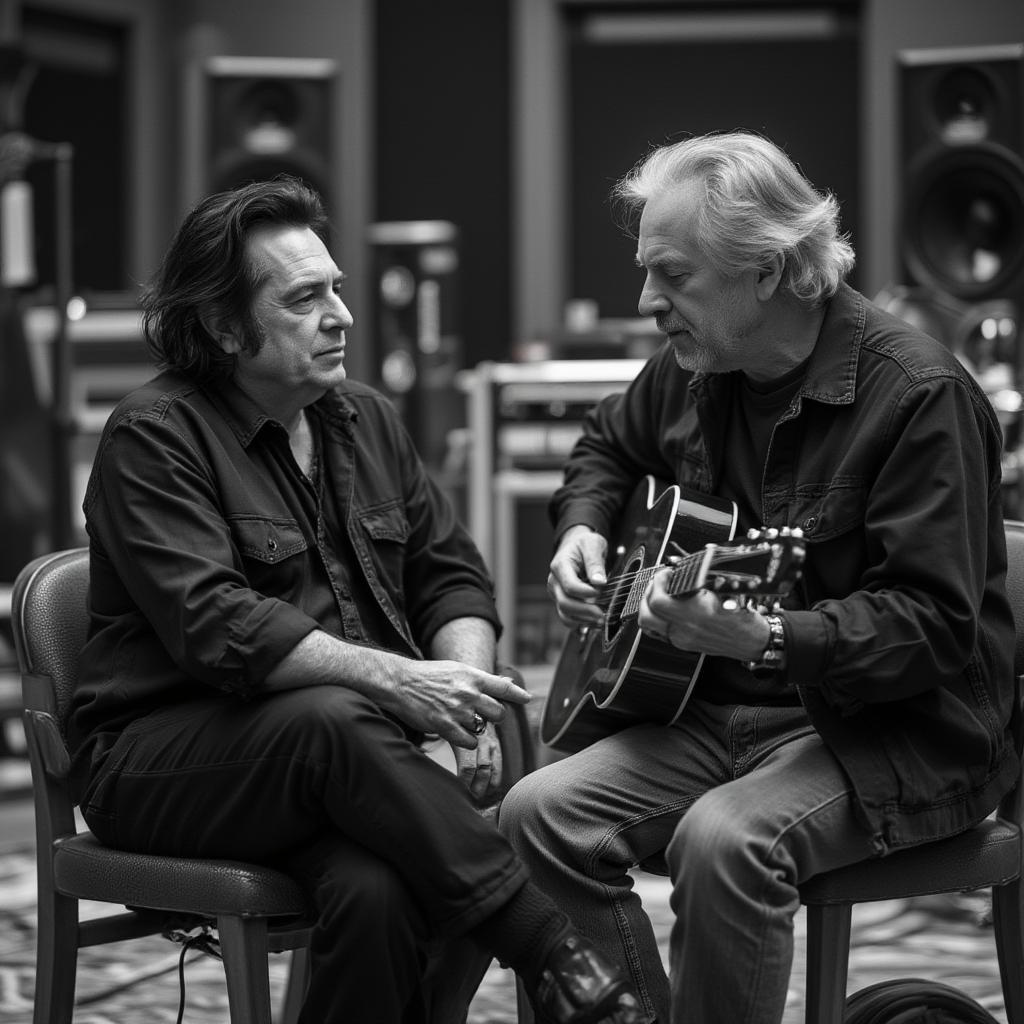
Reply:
x=872, y=710
x=283, y=606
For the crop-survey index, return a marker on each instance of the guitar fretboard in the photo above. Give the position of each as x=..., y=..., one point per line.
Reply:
x=685, y=577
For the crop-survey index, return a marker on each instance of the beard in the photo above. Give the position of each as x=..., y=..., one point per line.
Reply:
x=696, y=356
x=716, y=344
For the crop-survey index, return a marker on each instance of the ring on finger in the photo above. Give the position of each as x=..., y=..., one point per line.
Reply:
x=479, y=723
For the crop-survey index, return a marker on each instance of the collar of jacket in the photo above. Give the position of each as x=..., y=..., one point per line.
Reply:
x=832, y=371
x=247, y=419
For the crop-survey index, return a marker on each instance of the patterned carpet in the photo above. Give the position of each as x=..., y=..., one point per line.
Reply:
x=137, y=982
x=945, y=939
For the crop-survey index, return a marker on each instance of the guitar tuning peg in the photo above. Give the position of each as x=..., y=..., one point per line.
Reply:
x=771, y=533
x=753, y=534
x=797, y=533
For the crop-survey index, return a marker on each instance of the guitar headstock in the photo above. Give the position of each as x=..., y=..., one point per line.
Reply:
x=768, y=564
x=784, y=550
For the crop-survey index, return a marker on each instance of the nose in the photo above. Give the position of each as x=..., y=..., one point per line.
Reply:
x=338, y=311
x=651, y=299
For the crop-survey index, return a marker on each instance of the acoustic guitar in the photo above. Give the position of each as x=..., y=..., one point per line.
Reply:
x=611, y=675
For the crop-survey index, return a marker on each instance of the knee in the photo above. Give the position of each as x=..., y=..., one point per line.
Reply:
x=712, y=837
x=528, y=811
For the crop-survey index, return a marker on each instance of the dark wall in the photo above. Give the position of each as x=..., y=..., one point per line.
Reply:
x=627, y=97
x=442, y=144
x=78, y=96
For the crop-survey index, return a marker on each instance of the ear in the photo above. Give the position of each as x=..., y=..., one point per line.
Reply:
x=225, y=334
x=769, y=276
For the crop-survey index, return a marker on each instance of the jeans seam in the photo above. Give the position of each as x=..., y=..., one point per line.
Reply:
x=759, y=971
x=634, y=963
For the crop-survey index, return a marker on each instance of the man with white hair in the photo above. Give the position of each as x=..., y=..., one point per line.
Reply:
x=871, y=710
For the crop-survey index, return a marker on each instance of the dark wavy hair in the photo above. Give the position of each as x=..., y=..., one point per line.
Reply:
x=206, y=273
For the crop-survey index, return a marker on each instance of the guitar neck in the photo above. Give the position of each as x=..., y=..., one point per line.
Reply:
x=685, y=576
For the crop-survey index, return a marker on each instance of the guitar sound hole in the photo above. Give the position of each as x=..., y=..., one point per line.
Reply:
x=623, y=585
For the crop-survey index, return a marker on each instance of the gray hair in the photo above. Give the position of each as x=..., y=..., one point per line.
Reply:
x=757, y=204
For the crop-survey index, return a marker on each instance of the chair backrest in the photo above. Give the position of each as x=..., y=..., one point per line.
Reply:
x=1011, y=807
x=1015, y=585
x=50, y=620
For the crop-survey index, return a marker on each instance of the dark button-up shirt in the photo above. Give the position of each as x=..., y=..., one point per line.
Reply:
x=900, y=642
x=212, y=555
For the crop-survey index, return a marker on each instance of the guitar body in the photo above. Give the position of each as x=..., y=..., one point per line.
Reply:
x=589, y=696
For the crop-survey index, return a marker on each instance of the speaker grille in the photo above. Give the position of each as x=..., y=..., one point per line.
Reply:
x=267, y=117
x=962, y=223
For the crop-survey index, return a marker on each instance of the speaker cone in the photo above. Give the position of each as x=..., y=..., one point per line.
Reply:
x=964, y=221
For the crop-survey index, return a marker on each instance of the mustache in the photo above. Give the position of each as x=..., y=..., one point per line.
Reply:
x=669, y=326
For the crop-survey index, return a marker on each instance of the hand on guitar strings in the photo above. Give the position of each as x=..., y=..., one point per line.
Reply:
x=577, y=577
x=701, y=622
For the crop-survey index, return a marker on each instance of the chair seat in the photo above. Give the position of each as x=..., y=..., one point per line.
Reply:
x=987, y=854
x=85, y=869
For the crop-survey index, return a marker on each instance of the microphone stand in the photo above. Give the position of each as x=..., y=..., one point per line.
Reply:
x=17, y=152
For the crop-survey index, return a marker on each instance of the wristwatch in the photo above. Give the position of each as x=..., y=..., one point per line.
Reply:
x=775, y=652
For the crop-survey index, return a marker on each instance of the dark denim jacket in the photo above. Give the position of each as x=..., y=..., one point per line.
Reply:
x=207, y=551
x=900, y=638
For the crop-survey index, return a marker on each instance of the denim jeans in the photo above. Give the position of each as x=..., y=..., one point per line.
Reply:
x=741, y=803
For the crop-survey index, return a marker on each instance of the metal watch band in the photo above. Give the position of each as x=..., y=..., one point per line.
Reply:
x=776, y=648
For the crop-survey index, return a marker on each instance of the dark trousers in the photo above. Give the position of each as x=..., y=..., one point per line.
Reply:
x=397, y=860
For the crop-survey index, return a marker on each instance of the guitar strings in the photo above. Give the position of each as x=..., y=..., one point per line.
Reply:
x=605, y=599
x=651, y=569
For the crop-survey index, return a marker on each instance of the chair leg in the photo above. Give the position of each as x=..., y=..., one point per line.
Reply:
x=244, y=946
x=524, y=1011
x=1008, y=924
x=828, y=961
x=298, y=982
x=56, y=958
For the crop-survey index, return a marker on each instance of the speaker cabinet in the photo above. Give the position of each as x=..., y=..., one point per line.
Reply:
x=267, y=116
x=962, y=138
x=416, y=272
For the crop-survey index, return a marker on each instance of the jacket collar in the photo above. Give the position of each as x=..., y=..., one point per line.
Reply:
x=832, y=369
x=247, y=419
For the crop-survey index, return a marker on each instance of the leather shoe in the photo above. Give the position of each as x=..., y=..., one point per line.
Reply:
x=578, y=986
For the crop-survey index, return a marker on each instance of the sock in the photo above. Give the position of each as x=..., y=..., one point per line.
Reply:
x=523, y=931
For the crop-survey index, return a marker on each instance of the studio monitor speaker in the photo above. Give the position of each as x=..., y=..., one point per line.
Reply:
x=416, y=327
x=264, y=116
x=962, y=149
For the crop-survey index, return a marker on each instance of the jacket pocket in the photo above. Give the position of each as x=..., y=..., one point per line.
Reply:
x=387, y=529
x=385, y=522
x=829, y=512
x=267, y=540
